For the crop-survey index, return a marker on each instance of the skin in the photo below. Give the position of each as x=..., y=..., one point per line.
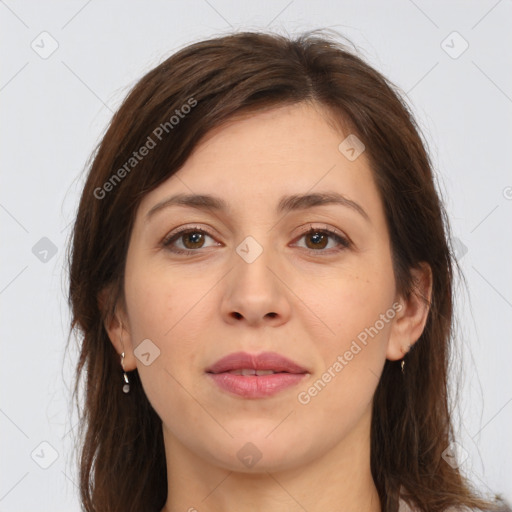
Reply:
x=198, y=308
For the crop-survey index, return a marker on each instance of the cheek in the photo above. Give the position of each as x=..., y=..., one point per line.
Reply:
x=161, y=312
x=359, y=311
x=353, y=304
x=352, y=352
x=357, y=314
x=168, y=309
x=159, y=299
x=147, y=299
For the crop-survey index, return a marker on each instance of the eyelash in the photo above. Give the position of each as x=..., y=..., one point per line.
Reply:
x=168, y=240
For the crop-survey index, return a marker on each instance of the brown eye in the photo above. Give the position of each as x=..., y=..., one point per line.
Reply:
x=186, y=241
x=193, y=240
x=318, y=239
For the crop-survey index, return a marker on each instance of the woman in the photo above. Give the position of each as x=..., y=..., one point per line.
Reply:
x=262, y=281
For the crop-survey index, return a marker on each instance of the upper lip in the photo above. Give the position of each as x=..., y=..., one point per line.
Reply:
x=263, y=361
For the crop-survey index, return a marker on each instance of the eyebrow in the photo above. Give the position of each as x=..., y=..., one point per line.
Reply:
x=286, y=203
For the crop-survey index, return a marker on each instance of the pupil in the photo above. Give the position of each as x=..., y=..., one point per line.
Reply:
x=317, y=239
x=195, y=238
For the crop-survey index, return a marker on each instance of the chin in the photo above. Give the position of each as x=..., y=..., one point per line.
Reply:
x=259, y=453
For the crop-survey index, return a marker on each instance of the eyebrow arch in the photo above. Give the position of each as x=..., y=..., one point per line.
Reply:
x=286, y=203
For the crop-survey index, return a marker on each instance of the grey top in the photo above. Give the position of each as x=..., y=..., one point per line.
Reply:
x=403, y=507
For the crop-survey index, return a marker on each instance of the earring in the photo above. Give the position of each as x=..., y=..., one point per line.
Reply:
x=404, y=351
x=126, y=386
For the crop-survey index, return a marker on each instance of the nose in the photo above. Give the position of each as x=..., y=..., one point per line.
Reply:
x=255, y=292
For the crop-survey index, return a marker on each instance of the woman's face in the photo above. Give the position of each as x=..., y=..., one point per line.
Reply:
x=262, y=275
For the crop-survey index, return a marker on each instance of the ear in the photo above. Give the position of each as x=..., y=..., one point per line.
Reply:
x=411, y=317
x=117, y=327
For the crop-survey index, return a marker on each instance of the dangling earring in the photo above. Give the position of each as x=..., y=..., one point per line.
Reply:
x=402, y=363
x=126, y=386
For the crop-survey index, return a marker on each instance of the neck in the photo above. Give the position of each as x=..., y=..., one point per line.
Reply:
x=339, y=479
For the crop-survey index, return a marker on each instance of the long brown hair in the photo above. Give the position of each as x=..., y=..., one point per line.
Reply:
x=122, y=458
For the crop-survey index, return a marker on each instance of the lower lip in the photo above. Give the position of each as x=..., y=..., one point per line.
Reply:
x=256, y=386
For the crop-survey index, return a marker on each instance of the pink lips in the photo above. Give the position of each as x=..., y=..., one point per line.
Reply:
x=227, y=374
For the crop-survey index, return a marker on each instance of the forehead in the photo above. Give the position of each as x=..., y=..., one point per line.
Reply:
x=265, y=155
x=279, y=135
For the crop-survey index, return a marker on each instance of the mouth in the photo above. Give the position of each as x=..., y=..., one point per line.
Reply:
x=252, y=371
x=255, y=376
x=255, y=364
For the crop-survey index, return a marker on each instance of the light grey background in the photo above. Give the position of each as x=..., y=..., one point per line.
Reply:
x=55, y=109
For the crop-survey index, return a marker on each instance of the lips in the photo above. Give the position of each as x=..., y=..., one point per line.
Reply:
x=255, y=376
x=242, y=363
